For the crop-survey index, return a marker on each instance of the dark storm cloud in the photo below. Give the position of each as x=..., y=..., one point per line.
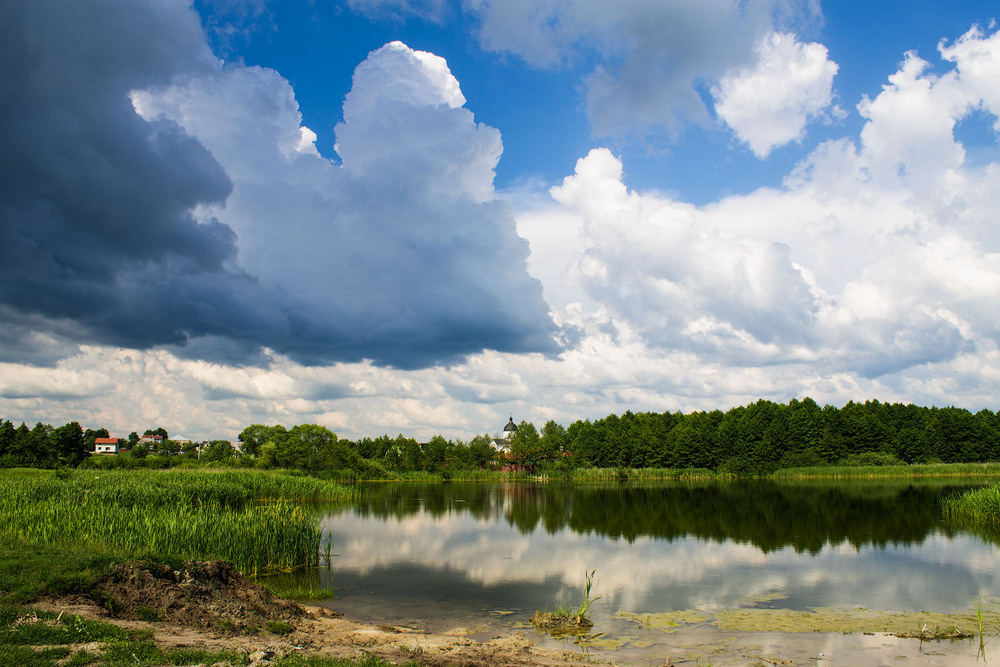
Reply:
x=90, y=190
x=99, y=238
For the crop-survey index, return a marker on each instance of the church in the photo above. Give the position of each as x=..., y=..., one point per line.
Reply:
x=502, y=445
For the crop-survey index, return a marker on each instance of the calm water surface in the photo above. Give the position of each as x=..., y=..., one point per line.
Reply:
x=487, y=556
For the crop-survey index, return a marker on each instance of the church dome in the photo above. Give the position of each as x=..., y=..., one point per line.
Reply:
x=511, y=426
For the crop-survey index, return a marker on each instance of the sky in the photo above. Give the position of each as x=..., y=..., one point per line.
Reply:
x=426, y=216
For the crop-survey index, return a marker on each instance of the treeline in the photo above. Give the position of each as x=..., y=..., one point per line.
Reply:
x=42, y=446
x=45, y=446
x=752, y=440
x=762, y=437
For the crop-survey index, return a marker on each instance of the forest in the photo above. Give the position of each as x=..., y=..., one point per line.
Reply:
x=752, y=440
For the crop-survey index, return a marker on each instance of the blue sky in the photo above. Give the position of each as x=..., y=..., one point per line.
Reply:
x=540, y=109
x=422, y=216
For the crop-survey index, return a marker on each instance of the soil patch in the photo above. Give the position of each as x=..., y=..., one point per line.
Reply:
x=208, y=594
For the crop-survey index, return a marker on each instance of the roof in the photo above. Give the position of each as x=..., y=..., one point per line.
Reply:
x=511, y=426
x=105, y=441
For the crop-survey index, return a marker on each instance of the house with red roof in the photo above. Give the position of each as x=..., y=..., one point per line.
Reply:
x=105, y=445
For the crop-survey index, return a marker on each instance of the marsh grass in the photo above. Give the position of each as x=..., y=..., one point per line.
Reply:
x=890, y=471
x=584, y=475
x=977, y=506
x=248, y=518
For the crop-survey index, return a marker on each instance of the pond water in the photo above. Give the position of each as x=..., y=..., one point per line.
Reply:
x=485, y=557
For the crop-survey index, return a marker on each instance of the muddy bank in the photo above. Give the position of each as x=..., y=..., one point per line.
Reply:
x=211, y=606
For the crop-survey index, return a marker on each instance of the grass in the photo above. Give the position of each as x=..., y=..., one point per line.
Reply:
x=298, y=592
x=37, y=638
x=584, y=475
x=24, y=626
x=28, y=571
x=61, y=532
x=248, y=518
x=977, y=506
x=898, y=471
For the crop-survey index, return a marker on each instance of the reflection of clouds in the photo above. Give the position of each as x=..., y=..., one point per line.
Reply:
x=654, y=575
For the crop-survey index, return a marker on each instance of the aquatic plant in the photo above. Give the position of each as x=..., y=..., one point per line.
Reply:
x=978, y=506
x=566, y=619
x=891, y=471
x=248, y=518
x=640, y=474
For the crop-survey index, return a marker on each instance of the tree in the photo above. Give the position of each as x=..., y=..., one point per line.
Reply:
x=553, y=440
x=482, y=453
x=68, y=444
x=217, y=450
x=39, y=451
x=525, y=445
x=254, y=436
x=7, y=434
x=304, y=446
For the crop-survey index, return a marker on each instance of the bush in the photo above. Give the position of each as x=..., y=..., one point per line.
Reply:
x=807, y=458
x=868, y=459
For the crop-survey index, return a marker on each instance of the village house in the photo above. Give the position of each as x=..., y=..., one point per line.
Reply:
x=154, y=441
x=105, y=445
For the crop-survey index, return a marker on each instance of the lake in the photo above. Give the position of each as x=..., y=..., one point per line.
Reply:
x=486, y=556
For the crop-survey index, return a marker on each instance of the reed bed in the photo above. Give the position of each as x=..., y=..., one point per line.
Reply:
x=978, y=506
x=247, y=518
x=913, y=470
x=640, y=474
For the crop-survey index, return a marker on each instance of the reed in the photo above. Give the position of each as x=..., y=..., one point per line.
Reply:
x=977, y=506
x=901, y=471
x=247, y=518
x=640, y=474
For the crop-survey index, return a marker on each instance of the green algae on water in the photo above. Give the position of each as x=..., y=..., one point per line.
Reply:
x=667, y=621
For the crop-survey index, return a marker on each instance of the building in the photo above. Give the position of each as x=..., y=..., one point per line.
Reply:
x=154, y=441
x=105, y=445
x=503, y=444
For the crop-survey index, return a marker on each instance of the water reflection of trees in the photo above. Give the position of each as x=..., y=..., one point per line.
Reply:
x=769, y=515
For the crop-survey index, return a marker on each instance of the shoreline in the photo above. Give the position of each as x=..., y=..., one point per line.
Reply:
x=321, y=632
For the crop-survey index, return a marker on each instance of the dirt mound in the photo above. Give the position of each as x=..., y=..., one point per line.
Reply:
x=208, y=594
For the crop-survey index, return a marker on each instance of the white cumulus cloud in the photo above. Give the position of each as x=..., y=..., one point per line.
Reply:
x=768, y=104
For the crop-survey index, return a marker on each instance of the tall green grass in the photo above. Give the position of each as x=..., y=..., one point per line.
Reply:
x=640, y=474
x=978, y=506
x=914, y=470
x=582, y=475
x=246, y=517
